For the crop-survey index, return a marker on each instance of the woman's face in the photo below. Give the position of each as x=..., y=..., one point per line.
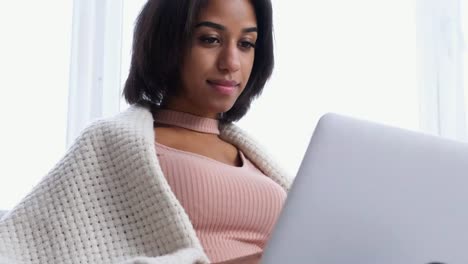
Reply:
x=217, y=65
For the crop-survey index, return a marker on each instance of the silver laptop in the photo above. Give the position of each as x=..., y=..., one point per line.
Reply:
x=371, y=194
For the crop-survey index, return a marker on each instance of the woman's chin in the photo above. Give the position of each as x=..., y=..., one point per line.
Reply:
x=222, y=108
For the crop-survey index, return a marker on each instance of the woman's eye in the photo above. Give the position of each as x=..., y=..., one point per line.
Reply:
x=209, y=40
x=247, y=44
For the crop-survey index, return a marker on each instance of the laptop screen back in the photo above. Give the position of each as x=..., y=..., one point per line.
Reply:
x=367, y=193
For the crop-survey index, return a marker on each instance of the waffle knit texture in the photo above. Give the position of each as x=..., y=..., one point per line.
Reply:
x=107, y=201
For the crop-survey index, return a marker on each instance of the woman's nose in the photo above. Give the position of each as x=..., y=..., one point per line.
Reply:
x=229, y=59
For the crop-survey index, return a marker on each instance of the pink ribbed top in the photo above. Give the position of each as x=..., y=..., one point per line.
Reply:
x=233, y=209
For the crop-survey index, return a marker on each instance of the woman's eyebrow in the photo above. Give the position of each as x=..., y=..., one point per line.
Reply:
x=250, y=29
x=221, y=27
x=211, y=25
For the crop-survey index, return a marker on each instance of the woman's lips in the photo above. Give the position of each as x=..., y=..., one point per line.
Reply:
x=226, y=87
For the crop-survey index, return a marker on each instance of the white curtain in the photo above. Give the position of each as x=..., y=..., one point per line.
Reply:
x=95, y=63
x=440, y=42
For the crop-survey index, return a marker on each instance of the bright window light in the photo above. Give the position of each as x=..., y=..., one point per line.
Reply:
x=34, y=66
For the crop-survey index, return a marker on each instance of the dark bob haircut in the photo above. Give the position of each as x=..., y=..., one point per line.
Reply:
x=163, y=31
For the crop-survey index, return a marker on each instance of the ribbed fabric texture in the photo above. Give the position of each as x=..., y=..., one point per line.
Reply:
x=186, y=120
x=233, y=209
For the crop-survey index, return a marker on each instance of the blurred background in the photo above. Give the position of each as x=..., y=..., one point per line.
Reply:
x=399, y=62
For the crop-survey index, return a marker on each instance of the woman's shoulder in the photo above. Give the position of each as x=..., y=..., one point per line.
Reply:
x=135, y=121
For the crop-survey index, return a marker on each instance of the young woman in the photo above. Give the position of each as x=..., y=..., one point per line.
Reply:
x=171, y=179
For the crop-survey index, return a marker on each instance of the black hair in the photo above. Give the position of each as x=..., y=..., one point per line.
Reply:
x=162, y=32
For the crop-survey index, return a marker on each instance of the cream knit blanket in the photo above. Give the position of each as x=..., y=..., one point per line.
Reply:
x=107, y=201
